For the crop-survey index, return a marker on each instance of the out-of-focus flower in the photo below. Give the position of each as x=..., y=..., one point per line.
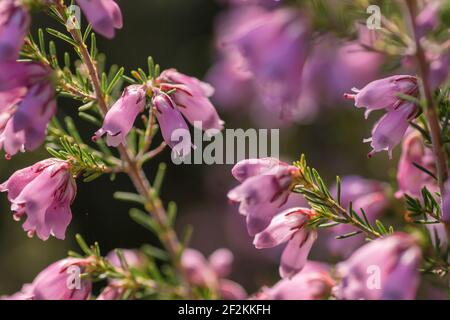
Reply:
x=289, y=226
x=121, y=116
x=439, y=67
x=384, y=269
x=59, y=281
x=173, y=127
x=314, y=282
x=211, y=272
x=410, y=178
x=104, y=16
x=265, y=189
x=274, y=45
x=27, y=124
x=44, y=193
x=111, y=292
x=14, y=24
x=384, y=94
x=192, y=99
x=26, y=105
x=365, y=194
x=428, y=19
x=133, y=258
x=446, y=203
x=21, y=74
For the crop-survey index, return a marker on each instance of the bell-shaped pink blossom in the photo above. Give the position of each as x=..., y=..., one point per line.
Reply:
x=26, y=293
x=27, y=125
x=212, y=271
x=192, y=98
x=383, y=269
x=61, y=281
x=263, y=192
x=314, y=282
x=410, y=178
x=104, y=16
x=289, y=226
x=14, y=24
x=384, y=93
x=172, y=124
x=369, y=195
x=44, y=193
x=121, y=116
x=390, y=129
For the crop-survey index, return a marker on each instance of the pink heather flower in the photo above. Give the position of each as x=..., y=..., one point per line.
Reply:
x=133, y=258
x=24, y=125
x=439, y=68
x=263, y=192
x=274, y=46
x=172, y=124
x=369, y=195
x=14, y=24
x=384, y=269
x=289, y=226
x=61, y=281
x=44, y=193
x=111, y=292
x=411, y=179
x=428, y=19
x=314, y=282
x=104, y=16
x=21, y=74
x=211, y=272
x=192, y=98
x=384, y=94
x=121, y=116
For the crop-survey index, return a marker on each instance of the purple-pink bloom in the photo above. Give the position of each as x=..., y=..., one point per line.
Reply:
x=274, y=45
x=104, y=16
x=173, y=127
x=263, y=192
x=121, y=116
x=61, y=281
x=428, y=19
x=133, y=258
x=192, y=99
x=21, y=74
x=369, y=195
x=385, y=94
x=289, y=226
x=314, y=282
x=384, y=269
x=410, y=178
x=14, y=24
x=111, y=292
x=211, y=272
x=44, y=193
x=26, y=126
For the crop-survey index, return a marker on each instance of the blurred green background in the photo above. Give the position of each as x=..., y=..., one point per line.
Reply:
x=180, y=34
